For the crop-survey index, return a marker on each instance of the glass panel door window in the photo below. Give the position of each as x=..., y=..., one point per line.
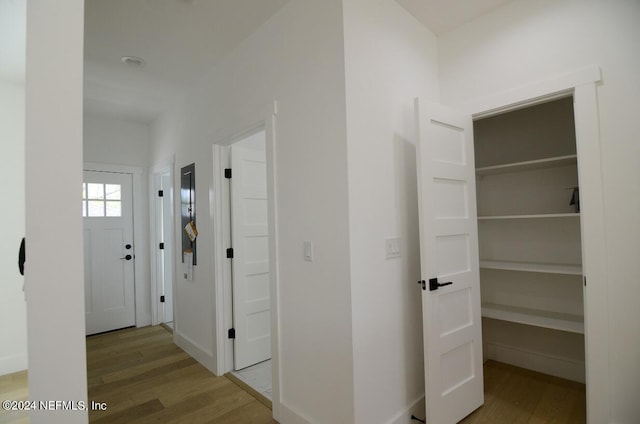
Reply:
x=101, y=200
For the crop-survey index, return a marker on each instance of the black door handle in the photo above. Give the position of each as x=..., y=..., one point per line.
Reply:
x=433, y=284
x=21, y=257
x=127, y=258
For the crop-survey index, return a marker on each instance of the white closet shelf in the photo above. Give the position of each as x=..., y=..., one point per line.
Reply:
x=535, y=317
x=532, y=267
x=534, y=216
x=530, y=165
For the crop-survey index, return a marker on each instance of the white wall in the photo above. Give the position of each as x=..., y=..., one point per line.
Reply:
x=54, y=275
x=13, y=350
x=116, y=141
x=532, y=41
x=13, y=308
x=297, y=59
x=390, y=59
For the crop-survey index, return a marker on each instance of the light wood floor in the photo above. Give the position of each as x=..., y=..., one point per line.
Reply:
x=14, y=387
x=143, y=377
x=514, y=395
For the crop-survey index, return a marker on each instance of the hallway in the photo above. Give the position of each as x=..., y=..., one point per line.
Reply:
x=143, y=377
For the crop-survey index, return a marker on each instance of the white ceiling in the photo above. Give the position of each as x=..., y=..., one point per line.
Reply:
x=178, y=39
x=181, y=39
x=444, y=15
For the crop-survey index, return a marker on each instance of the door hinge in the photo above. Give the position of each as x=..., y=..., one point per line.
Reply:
x=161, y=246
x=585, y=280
x=160, y=193
x=232, y=333
x=230, y=253
x=162, y=299
x=227, y=173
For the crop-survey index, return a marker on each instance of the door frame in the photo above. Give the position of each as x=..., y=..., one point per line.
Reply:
x=220, y=206
x=141, y=263
x=582, y=85
x=158, y=170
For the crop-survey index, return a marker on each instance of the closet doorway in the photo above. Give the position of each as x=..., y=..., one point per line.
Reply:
x=249, y=256
x=539, y=229
x=528, y=205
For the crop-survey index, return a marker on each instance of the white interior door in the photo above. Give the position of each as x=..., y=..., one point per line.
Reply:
x=449, y=265
x=250, y=270
x=108, y=251
x=167, y=253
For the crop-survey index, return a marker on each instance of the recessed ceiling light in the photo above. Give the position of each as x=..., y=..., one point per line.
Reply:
x=133, y=60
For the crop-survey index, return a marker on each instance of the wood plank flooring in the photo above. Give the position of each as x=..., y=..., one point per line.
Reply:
x=143, y=377
x=514, y=395
x=14, y=387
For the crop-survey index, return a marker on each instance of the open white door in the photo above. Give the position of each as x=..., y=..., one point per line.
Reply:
x=449, y=264
x=250, y=240
x=108, y=251
x=167, y=252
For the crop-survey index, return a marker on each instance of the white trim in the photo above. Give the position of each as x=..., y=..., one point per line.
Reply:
x=266, y=120
x=288, y=415
x=566, y=368
x=533, y=93
x=156, y=171
x=221, y=240
x=417, y=408
x=199, y=353
x=272, y=196
x=582, y=84
x=141, y=249
x=12, y=364
x=594, y=254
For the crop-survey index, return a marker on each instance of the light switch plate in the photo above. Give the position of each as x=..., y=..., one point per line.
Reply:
x=308, y=250
x=392, y=247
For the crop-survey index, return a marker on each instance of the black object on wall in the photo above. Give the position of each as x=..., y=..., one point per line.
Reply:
x=188, y=206
x=21, y=257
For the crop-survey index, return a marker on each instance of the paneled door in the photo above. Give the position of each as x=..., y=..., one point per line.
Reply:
x=108, y=251
x=250, y=239
x=449, y=264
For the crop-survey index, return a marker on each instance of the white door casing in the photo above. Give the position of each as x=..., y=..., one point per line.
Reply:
x=449, y=252
x=108, y=263
x=250, y=269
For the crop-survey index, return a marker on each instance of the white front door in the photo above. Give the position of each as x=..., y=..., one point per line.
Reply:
x=449, y=265
x=250, y=240
x=108, y=251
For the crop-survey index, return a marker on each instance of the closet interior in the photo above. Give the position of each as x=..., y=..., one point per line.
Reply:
x=529, y=239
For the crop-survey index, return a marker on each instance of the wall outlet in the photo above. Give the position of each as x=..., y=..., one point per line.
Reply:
x=392, y=247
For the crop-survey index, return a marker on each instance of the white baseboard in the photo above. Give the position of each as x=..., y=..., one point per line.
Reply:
x=560, y=367
x=286, y=415
x=13, y=364
x=197, y=352
x=416, y=408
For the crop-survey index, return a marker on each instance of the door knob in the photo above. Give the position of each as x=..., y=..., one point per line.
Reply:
x=433, y=284
x=127, y=258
